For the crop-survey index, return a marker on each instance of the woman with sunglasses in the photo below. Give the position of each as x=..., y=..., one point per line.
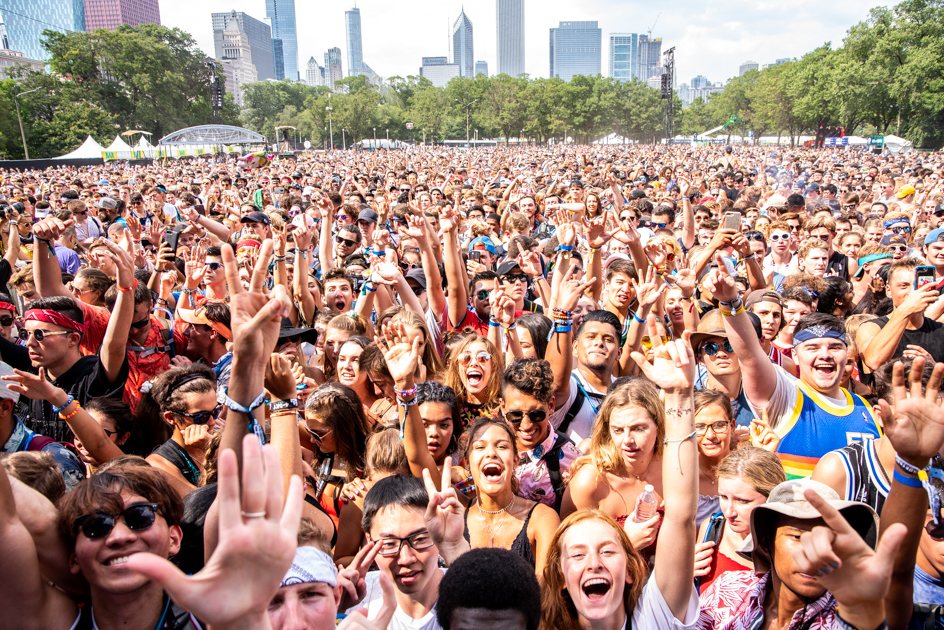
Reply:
x=474, y=375
x=90, y=286
x=185, y=398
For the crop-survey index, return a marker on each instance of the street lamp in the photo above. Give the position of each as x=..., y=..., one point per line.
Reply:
x=343, y=139
x=388, y=138
x=476, y=136
x=330, y=126
x=375, y=137
x=467, y=106
x=324, y=138
x=17, y=103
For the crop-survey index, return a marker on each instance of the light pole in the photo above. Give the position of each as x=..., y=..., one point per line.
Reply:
x=17, y=103
x=343, y=139
x=467, y=106
x=375, y=138
x=330, y=126
x=476, y=136
x=324, y=138
x=388, y=138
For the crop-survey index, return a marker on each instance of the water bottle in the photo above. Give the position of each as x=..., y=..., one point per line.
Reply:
x=646, y=505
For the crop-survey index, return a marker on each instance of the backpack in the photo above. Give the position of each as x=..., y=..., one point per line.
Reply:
x=552, y=459
x=167, y=336
x=572, y=412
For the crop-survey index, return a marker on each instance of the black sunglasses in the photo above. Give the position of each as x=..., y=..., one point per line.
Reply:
x=711, y=348
x=202, y=417
x=482, y=295
x=536, y=416
x=346, y=241
x=6, y=321
x=515, y=277
x=138, y=517
x=754, y=236
x=417, y=291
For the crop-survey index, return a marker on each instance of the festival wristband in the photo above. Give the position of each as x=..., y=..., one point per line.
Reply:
x=282, y=405
x=911, y=482
x=638, y=318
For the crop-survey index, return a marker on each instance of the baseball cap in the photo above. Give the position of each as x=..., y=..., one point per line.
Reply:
x=905, y=191
x=367, y=215
x=894, y=239
x=198, y=316
x=483, y=243
x=256, y=217
x=417, y=275
x=934, y=236
x=506, y=267
x=107, y=203
x=776, y=201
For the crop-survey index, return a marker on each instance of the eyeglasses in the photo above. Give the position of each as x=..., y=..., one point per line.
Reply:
x=391, y=546
x=346, y=241
x=202, y=417
x=482, y=358
x=536, y=416
x=902, y=229
x=647, y=342
x=822, y=237
x=39, y=334
x=515, y=277
x=482, y=295
x=6, y=321
x=850, y=206
x=779, y=236
x=711, y=348
x=719, y=428
x=417, y=291
x=81, y=212
x=318, y=437
x=213, y=266
x=109, y=433
x=138, y=517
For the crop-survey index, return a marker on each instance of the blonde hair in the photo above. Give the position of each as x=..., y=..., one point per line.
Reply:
x=430, y=357
x=452, y=378
x=386, y=453
x=756, y=466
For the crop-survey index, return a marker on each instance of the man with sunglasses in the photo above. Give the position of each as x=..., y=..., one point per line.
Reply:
x=718, y=366
x=527, y=403
x=87, y=227
x=208, y=337
x=780, y=259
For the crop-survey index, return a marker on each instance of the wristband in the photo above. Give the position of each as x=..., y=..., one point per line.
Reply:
x=493, y=322
x=565, y=248
x=514, y=325
x=279, y=259
x=282, y=405
x=908, y=468
x=57, y=410
x=69, y=416
x=406, y=403
x=638, y=318
x=911, y=482
x=749, y=257
x=406, y=393
x=732, y=313
x=367, y=288
x=131, y=288
x=49, y=245
x=235, y=406
x=563, y=329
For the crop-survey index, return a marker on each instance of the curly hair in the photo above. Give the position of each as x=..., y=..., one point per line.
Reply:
x=530, y=376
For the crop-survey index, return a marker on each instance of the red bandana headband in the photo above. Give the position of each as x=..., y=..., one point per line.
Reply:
x=7, y=306
x=53, y=317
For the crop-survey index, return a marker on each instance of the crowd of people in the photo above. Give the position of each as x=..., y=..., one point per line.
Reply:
x=601, y=387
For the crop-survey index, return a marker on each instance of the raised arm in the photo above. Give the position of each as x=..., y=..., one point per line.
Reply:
x=759, y=374
x=688, y=215
x=885, y=340
x=673, y=371
x=208, y=225
x=114, y=352
x=325, y=246
x=46, y=272
x=458, y=298
x=306, y=301
x=13, y=245
x=419, y=230
x=280, y=384
x=560, y=349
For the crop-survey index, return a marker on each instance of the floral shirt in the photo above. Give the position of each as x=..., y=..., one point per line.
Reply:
x=532, y=470
x=735, y=601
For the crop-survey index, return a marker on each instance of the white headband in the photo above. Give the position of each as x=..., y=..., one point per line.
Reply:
x=311, y=565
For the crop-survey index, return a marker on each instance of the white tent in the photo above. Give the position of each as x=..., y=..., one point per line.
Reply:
x=89, y=149
x=119, y=146
x=143, y=144
x=898, y=145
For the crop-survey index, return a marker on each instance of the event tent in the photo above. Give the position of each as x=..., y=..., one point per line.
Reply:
x=898, y=145
x=119, y=146
x=89, y=149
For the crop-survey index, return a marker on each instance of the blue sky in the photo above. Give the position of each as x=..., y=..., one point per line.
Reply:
x=711, y=38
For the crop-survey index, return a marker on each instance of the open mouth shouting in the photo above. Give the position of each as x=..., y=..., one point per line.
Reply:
x=475, y=377
x=493, y=472
x=825, y=369
x=596, y=588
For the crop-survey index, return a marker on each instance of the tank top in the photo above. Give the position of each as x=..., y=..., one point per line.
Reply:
x=312, y=501
x=521, y=544
x=815, y=427
x=866, y=481
x=176, y=455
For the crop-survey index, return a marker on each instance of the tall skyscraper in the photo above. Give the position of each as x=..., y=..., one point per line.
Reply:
x=650, y=57
x=238, y=68
x=748, y=65
x=463, y=53
x=576, y=49
x=624, y=52
x=355, y=51
x=282, y=16
x=333, y=69
x=481, y=67
x=510, y=21
x=111, y=14
x=25, y=21
x=438, y=70
x=260, y=40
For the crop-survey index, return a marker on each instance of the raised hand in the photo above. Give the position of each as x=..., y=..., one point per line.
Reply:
x=401, y=356
x=762, y=434
x=842, y=562
x=720, y=282
x=51, y=229
x=33, y=386
x=502, y=307
x=352, y=578
x=194, y=266
x=649, y=292
x=445, y=516
x=165, y=257
x=380, y=239
x=257, y=542
x=357, y=620
x=655, y=252
x=448, y=219
x=915, y=427
x=383, y=272
x=570, y=290
x=416, y=228
x=685, y=280
x=303, y=235
x=685, y=187
x=278, y=241
x=134, y=226
x=280, y=377
x=596, y=233
x=530, y=263
x=673, y=364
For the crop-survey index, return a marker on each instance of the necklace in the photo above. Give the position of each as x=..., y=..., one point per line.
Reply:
x=478, y=506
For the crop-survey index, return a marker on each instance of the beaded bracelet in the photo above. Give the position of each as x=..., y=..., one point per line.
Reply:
x=56, y=409
x=560, y=312
x=71, y=415
x=131, y=288
x=406, y=393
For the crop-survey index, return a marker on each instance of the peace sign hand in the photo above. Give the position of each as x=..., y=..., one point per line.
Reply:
x=445, y=516
x=352, y=577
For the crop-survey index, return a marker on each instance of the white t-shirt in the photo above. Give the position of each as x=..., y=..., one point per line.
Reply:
x=373, y=601
x=653, y=612
x=582, y=425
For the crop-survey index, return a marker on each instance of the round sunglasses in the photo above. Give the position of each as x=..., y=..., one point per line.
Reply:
x=711, y=348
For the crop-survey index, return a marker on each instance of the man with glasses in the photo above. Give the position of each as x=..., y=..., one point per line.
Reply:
x=718, y=367
x=527, y=404
x=87, y=228
x=794, y=226
x=781, y=259
x=898, y=244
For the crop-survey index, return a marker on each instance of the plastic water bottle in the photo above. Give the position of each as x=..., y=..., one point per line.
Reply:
x=646, y=505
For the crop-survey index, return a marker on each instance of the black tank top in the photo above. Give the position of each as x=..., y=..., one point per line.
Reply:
x=929, y=336
x=521, y=545
x=176, y=455
x=312, y=501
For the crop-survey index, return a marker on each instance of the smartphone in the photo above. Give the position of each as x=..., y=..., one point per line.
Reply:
x=732, y=221
x=924, y=274
x=171, y=236
x=475, y=255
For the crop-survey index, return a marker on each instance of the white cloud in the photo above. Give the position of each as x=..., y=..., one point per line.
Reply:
x=710, y=39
